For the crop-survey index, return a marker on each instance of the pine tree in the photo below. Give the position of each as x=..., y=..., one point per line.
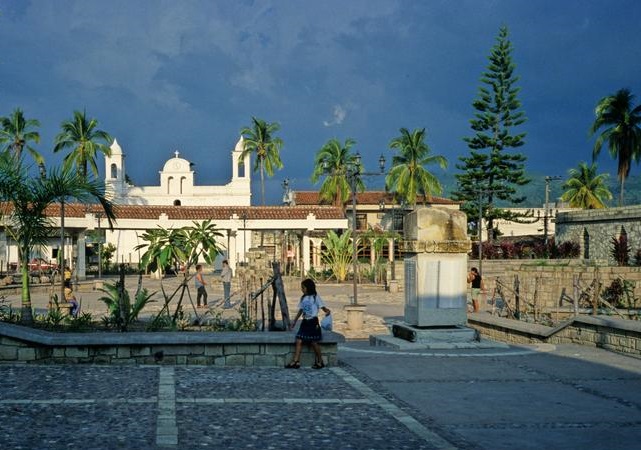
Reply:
x=491, y=173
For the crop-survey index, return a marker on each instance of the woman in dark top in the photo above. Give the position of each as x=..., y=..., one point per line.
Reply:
x=475, y=278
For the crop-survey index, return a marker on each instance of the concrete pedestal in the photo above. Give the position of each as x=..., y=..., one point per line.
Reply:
x=435, y=335
x=355, y=317
x=436, y=290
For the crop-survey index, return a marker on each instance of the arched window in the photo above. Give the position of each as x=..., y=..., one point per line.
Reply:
x=182, y=184
x=586, y=244
x=170, y=180
x=176, y=202
x=114, y=171
x=241, y=170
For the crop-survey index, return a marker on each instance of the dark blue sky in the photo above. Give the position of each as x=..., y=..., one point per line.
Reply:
x=161, y=76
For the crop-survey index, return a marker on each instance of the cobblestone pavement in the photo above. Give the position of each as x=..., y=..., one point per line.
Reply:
x=91, y=407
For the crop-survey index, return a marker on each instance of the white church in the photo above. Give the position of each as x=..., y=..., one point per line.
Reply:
x=178, y=201
x=177, y=185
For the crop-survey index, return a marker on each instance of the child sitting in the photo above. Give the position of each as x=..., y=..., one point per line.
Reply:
x=71, y=298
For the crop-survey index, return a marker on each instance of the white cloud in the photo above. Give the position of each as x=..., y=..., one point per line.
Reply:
x=338, y=116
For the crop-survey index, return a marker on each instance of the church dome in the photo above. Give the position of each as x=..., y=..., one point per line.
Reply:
x=177, y=165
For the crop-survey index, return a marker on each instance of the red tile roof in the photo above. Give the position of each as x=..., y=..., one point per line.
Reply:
x=203, y=212
x=367, y=198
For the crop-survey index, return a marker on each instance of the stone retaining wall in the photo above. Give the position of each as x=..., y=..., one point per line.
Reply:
x=248, y=349
x=594, y=229
x=618, y=335
x=550, y=277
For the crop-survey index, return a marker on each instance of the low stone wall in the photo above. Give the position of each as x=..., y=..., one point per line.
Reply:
x=249, y=349
x=618, y=335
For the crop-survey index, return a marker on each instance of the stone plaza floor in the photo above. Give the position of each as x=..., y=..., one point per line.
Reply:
x=515, y=397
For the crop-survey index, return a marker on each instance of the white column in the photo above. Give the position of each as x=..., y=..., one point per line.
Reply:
x=231, y=248
x=390, y=250
x=306, y=255
x=81, y=269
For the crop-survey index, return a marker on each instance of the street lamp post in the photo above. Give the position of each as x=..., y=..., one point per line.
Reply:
x=99, y=216
x=354, y=173
x=547, y=207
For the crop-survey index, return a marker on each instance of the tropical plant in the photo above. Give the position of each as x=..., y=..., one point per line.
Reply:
x=337, y=253
x=408, y=177
x=122, y=312
x=620, y=249
x=585, y=189
x=23, y=202
x=378, y=239
x=107, y=252
x=259, y=139
x=80, y=136
x=17, y=133
x=568, y=249
x=183, y=246
x=333, y=161
x=621, y=125
x=491, y=172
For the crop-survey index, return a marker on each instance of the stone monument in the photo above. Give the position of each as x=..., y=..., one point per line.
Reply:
x=436, y=243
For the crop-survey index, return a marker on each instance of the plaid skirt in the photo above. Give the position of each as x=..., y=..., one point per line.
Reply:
x=310, y=330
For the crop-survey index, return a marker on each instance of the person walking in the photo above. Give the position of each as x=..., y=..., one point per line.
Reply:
x=310, y=330
x=201, y=292
x=226, y=275
x=475, y=278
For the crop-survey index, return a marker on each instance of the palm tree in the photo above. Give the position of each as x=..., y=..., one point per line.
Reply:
x=85, y=142
x=259, y=139
x=585, y=189
x=333, y=160
x=622, y=131
x=408, y=177
x=25, y=200
x=16, y=134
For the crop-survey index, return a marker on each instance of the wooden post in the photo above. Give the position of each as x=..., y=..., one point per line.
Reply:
x=280, y=293
x=517, y=298
x=575, y=284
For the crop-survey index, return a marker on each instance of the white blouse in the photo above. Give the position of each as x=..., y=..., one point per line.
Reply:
x=310, y=305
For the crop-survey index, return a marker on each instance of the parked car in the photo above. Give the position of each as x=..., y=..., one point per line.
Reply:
x=41, y=265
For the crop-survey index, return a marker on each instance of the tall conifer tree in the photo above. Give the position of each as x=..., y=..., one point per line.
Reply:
x=491, y=172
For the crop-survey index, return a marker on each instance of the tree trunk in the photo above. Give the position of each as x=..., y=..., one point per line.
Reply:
x=621, y=193
x=262, y=182
x=27, y=315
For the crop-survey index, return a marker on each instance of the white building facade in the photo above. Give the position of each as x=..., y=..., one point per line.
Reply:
x=179, y=202
x=177, y=183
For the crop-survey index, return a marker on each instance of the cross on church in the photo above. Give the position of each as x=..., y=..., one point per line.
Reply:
x=176, y=153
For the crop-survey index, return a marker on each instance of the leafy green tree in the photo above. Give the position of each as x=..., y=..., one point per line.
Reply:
x=259, y=139
x=620, y=123
x=337, y=253
x=332, y=161
x=17, y=133
x=84, y=140
x=408, y=177
x=184, y=246
x=491, y=172
x=585, y=189
x=23, y=202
